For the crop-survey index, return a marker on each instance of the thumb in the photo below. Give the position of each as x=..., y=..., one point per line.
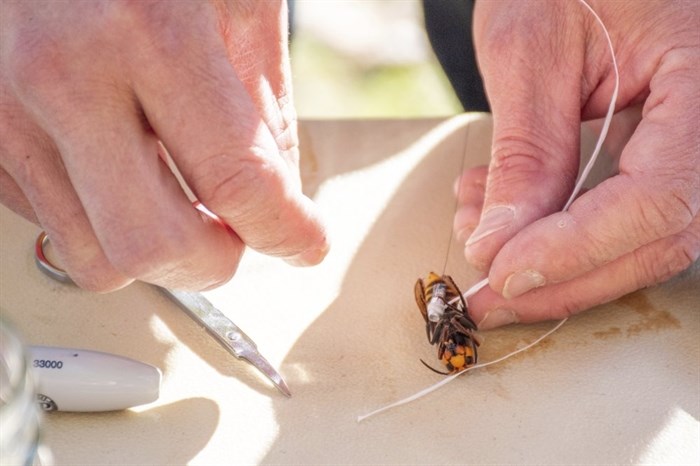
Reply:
x=531, y=60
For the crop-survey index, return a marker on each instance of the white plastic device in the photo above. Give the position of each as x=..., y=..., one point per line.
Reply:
x=70, y=379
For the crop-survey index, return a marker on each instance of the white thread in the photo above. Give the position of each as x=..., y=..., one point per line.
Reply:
x=450, y=378
x=608, y=117
x=473, y=290
x=481, y=284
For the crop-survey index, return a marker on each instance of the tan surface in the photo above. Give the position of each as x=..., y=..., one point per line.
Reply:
x=618, y=384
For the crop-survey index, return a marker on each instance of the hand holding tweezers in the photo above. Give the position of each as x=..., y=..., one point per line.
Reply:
x=228, y=334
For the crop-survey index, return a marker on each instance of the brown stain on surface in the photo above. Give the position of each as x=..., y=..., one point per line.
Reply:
x=651, y=319
x=611, y=332
x=509, y=345
x=637, y=302
x=499, y=342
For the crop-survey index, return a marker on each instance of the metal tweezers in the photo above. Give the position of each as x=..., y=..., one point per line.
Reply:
x=228, y=334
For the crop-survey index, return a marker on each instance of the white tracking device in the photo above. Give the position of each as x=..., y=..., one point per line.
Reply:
x=70, y=379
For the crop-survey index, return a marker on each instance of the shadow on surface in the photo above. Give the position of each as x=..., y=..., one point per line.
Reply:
x=575, y=398
x=142, y=438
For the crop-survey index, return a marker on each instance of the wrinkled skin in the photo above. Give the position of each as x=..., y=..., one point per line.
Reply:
x=87, y=91
x=546, y=67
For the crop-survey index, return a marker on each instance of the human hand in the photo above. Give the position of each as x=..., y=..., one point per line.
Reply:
x=546, y=66
x=88, y=89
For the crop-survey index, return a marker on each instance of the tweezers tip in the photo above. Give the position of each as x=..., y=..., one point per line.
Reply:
x=264, y=366
x=282, y=387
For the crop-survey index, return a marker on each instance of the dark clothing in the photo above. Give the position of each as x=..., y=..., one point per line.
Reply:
x=449, y=26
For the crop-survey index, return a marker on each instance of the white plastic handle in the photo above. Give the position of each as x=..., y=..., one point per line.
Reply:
x=81, y=380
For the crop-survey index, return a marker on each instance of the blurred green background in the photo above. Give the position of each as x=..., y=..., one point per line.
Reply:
x=364, y=59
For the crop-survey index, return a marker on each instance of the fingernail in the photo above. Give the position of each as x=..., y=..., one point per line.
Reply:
x=521, y=282
x=308, y=258
x=498, y=318
x=493, y=220
x=464, y=233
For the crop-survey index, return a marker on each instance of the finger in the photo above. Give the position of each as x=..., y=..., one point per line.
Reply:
x=262, y=66
x=147, y=226
x=13, y=120
x=58, y=210
x=12, y=196
x=536, y=117
x=466, y=220
x=649, y=265
x=61, y=215
x=469, y=190
x=469, y=187
x=226, y=152
x=37, y=186
x=141, y=218
x=656, y=194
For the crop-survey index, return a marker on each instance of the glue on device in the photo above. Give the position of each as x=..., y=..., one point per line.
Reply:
x=80, y=380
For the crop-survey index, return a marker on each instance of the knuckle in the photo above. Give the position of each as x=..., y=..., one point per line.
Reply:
x=233, y=186
x=33, y=63
x=524, y=146
x=518, y=157
x=145, y=254
x=665, y=261
x=669, y=213
x=517, y=148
